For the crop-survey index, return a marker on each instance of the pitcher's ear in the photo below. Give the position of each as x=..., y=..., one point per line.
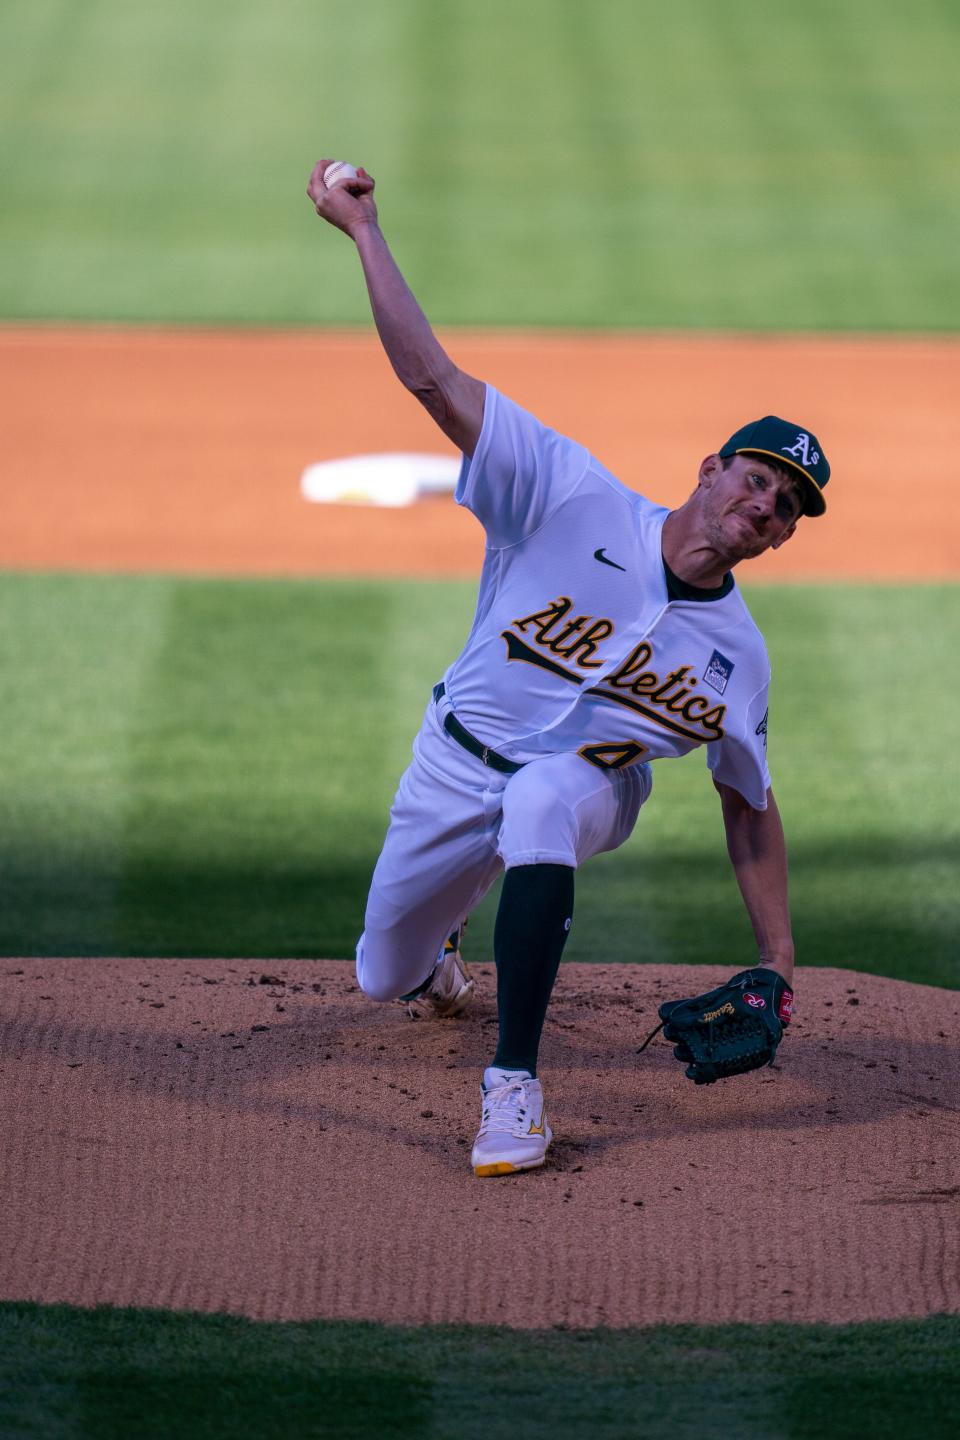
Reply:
x=790, y=531
x=710, y=467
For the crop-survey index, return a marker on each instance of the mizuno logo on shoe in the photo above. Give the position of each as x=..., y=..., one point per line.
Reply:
x=599, y=555
x=540, y=1129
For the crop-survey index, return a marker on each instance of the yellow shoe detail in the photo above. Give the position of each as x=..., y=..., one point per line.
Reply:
x=496, y=1167
x=540, y=1129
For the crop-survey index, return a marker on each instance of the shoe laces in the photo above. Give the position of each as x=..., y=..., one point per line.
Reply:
x=505, y=1107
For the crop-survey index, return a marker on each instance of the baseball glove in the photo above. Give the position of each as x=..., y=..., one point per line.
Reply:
x=732, y=1029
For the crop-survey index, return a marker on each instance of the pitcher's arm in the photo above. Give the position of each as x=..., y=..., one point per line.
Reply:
x=454, y=399
x=758, y=853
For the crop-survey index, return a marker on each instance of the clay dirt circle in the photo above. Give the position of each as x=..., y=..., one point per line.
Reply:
x=263, y=1140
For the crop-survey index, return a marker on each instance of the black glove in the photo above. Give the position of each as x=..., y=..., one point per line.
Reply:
x=732, y=1029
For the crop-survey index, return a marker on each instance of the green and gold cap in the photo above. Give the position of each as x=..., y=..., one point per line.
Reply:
x=790, y=445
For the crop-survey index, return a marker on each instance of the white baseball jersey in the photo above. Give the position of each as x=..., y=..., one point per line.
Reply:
x=576, y=644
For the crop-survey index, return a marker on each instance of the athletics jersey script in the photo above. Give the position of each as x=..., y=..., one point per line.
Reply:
x=633, y=683
x=576, y=644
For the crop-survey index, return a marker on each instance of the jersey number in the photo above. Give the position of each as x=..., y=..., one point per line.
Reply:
x=615, y=756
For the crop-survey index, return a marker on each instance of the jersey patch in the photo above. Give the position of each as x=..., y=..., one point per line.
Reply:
x=718, y=672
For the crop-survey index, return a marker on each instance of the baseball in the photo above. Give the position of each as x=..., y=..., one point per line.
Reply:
x=339, y=172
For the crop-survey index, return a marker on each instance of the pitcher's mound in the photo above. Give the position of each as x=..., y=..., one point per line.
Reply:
x=236, y=1136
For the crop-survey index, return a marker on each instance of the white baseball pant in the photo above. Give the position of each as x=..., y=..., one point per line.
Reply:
x=455, y=824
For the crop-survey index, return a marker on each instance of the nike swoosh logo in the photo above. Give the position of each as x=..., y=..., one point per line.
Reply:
x=599, y=555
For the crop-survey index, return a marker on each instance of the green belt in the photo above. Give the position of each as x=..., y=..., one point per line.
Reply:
x=469, y=742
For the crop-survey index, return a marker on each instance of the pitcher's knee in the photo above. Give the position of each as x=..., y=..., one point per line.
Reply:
x=375, y=985
x=386, y=969
x=373, y=976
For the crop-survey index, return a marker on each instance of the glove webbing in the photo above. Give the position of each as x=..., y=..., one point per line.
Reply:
x=708, y=1045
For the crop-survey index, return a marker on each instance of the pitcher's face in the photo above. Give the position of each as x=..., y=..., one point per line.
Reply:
x=749, y=506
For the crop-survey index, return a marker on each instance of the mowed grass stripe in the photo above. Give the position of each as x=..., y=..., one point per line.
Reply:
x=107, y=1374
x=74, y=660
x=266, y=737
x=245, y=739
x=623, y=165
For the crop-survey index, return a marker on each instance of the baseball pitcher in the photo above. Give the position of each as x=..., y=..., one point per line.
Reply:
x=609, y=633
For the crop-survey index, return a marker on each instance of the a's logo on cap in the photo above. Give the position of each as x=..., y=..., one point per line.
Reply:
x=800, y=450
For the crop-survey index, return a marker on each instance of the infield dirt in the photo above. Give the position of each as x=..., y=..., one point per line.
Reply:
x=182, y=451
x=187, y=1134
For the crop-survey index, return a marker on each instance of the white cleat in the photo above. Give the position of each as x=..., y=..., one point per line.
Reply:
x=513, y=1133
x=449, y=992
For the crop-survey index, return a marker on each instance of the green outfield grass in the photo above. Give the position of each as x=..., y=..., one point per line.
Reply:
x=754, y=164
x=200, y=767
x=112, y=1374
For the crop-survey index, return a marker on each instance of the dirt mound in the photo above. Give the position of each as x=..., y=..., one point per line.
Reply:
x=265, y=1141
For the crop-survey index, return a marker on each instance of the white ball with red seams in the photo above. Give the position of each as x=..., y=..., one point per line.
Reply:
x=339, y=172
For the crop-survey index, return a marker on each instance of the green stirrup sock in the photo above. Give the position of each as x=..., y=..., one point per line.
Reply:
x=533, y=921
